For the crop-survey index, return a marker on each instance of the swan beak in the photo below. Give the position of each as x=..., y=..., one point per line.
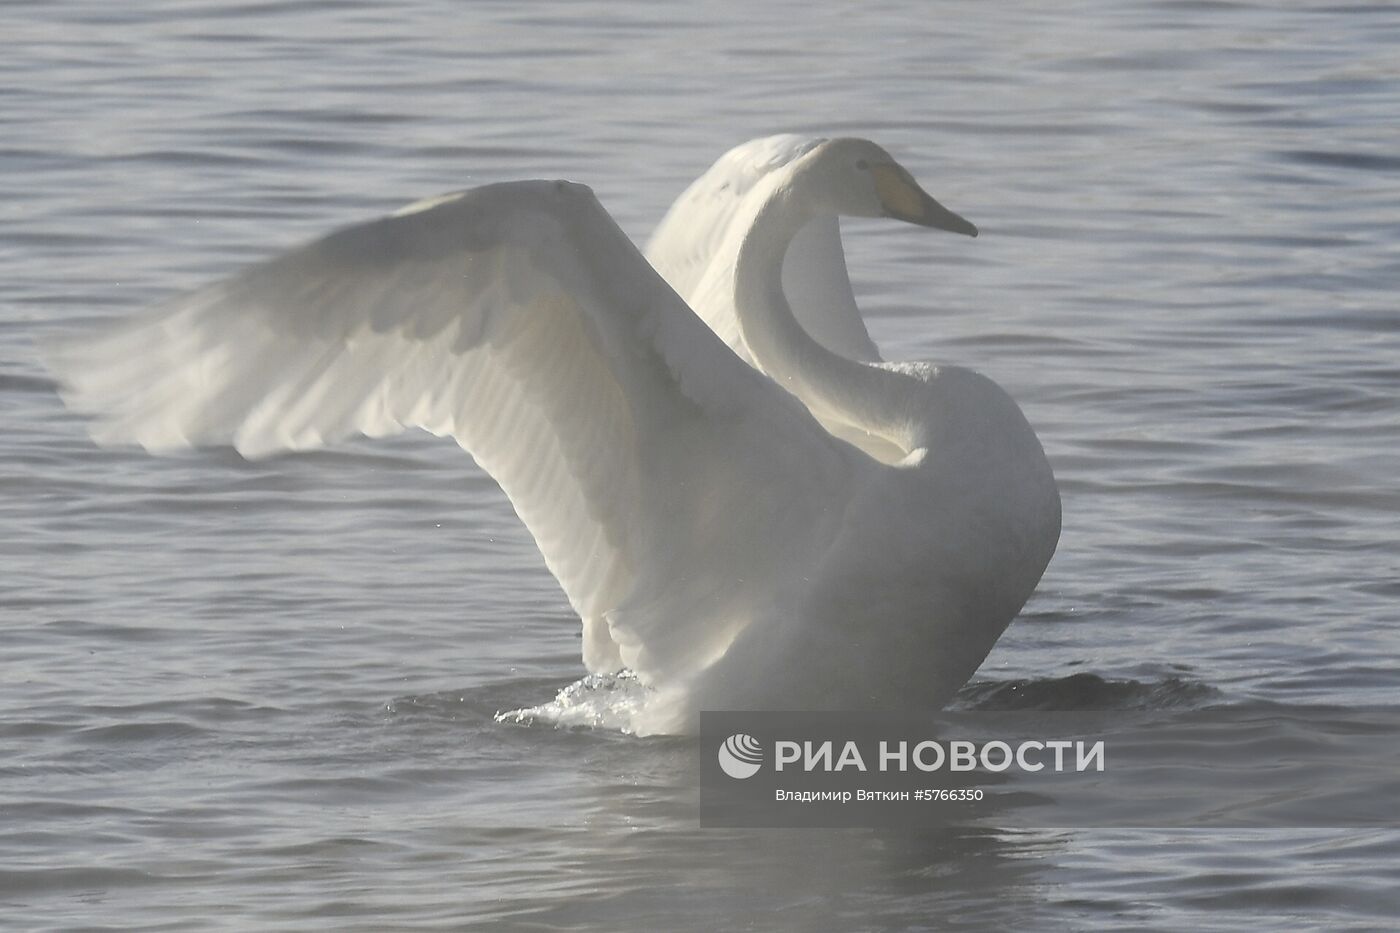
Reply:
x=903, y=199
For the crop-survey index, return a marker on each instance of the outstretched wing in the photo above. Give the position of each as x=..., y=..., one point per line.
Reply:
x=697, y=242
x=661, y=477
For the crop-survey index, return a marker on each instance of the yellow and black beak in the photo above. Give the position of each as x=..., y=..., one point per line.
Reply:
x=903, y=199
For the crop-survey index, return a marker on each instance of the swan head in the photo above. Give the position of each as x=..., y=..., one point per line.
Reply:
x=856, y=178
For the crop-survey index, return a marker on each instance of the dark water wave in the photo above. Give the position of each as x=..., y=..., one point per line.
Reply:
x=19, y=382
x=1086, y=692
x=1350, y=160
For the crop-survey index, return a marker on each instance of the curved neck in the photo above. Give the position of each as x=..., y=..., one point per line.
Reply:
x=833, y=388
x=778, y=343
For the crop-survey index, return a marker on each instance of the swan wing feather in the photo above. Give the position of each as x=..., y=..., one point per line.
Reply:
x=667, y=483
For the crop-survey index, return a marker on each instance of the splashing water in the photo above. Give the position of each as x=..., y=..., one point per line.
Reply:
x=598, y=701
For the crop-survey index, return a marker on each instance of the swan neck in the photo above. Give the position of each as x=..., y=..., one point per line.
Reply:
x=778, y=343
x=848, y=397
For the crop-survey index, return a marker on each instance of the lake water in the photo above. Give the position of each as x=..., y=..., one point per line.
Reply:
x=262, y=695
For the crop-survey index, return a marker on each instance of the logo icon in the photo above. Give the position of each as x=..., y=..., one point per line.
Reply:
x=740, y=756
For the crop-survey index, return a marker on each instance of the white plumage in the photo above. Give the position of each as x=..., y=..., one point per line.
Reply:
x=696, y=244
x=712, y=535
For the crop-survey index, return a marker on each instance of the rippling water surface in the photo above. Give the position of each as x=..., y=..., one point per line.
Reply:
x=263, y=694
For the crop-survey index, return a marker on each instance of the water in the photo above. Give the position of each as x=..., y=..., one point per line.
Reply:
x=262, y=695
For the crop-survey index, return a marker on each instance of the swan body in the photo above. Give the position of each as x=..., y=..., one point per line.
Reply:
x=711, y=532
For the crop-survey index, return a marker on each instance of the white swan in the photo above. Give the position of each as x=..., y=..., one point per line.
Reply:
x=710, y=533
